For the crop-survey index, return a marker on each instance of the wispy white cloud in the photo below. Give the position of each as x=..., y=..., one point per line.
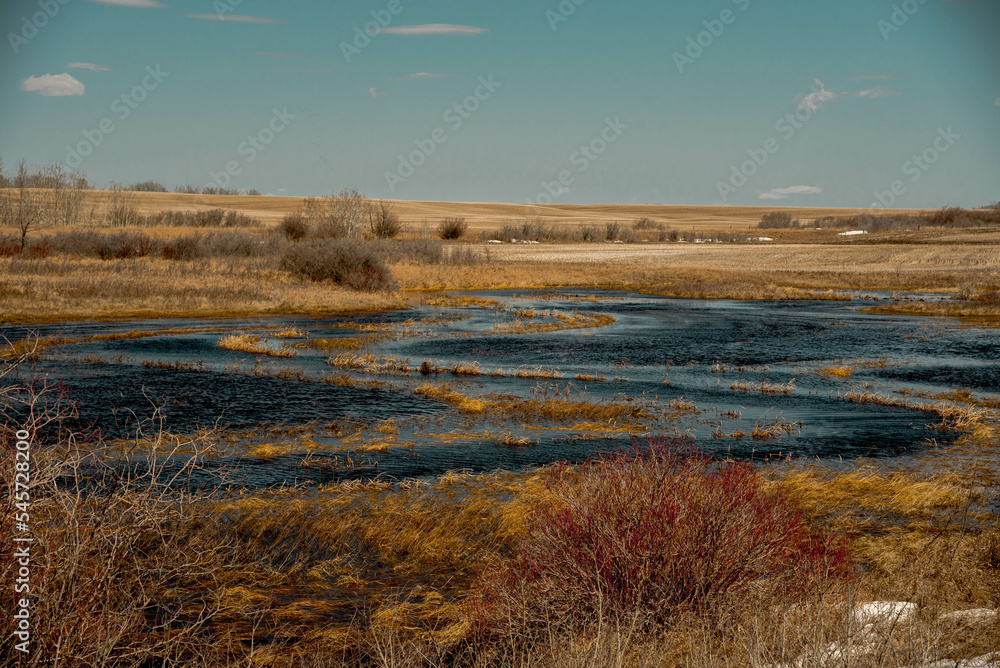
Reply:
x=132, y=3
x=783, y=193
x=435, y=29
x=874, y=93
x=93, y=67
x=238, y=18
x=816, y=99
x=375, y=92
x=423, y=75
x=279, y=54
x=997, y=103
x=53, y=85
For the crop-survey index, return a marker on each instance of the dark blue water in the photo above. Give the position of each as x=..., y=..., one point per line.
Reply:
x=659, y=349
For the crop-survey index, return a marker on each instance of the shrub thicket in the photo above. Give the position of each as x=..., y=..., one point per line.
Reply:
x=353, y=264
x=776, y=220
x=294, y=226
x=148, y=187
x=655, y=533
x=452, y=228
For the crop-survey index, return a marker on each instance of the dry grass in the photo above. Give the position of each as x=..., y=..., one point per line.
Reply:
x=256, y=345
x=764, y=387
x=289, y=333
x=546, y=403
x=835, y=371
x=60, y=288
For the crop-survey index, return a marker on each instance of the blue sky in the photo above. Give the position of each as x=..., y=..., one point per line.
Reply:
x=597, y=102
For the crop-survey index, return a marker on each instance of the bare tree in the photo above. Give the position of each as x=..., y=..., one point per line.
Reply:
x=353, y=209
x=343, y=214
x=121, y=209
x=19, y=206
x=383, y=221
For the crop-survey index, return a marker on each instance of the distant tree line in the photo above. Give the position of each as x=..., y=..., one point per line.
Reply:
x=55, y=177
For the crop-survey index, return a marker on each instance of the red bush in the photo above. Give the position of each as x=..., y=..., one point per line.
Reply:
x=40, y=251
x=8, y=248
x=657, y=531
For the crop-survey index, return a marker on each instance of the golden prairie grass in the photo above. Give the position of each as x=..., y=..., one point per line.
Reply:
x=289, y=333
x=543, y=404
x=256, y=345
x=975, y=419
x=62, y=288
x=558, y=322
x=867, y=488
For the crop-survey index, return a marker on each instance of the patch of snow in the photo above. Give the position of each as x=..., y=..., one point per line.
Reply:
x=969, y=616
x=852, y=233
x=883, y=611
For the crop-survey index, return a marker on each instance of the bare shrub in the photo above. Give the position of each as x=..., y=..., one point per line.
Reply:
x=350, y=263
x=121, y=208
x=383, y=221
x=115, y=544
x=656, y=532
x=294, y=226
x=148, y=187
x=182, y=248
x=452, y=228
x=343, y=214
x=647, y=224
x=468, y=256
x=775, y=220
x=612, y=231
x=209, y=218
x=420, y=251
x=187, y=189
x=21, y=208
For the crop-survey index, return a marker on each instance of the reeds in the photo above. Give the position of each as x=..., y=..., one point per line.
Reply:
x=764, y=387
x=256, y=345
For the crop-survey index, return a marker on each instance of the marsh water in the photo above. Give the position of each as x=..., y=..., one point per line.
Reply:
x=658, y=353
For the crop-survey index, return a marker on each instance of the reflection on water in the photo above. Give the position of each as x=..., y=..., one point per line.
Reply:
x=657, y=350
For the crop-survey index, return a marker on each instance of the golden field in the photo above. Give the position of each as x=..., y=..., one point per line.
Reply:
x=482, y=216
